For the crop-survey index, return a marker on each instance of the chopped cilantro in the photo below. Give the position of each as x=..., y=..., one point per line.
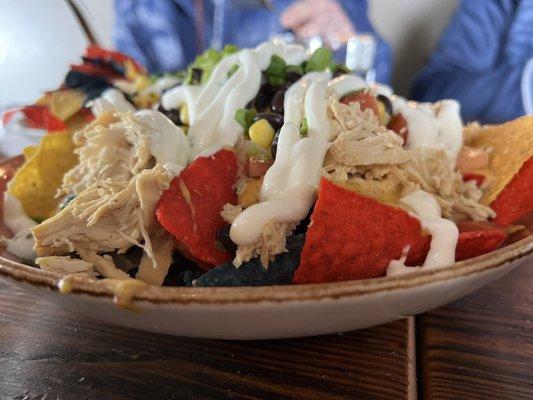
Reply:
x=304, y=128
x=245, y=118
x=276, y=71
x=319, y=60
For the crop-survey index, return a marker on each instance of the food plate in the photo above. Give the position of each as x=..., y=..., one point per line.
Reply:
x=261, y=193
x=275, y=311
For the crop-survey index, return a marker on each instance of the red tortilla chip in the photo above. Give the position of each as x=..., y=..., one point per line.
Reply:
x=477, y=238
x=355, y=237
x=190, y=208
x=516, y=200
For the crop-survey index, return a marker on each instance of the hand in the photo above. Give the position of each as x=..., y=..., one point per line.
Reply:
x=324, y=18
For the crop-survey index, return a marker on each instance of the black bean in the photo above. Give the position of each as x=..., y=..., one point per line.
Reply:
x=338, y=73
x=292, y=77
x=261, y=102
x=225, y=240
x=173, y=115
x=264, y=79
x=276, y=105
x=386, y=103
x=276, y=120
x=274, y=145
x=196, y=76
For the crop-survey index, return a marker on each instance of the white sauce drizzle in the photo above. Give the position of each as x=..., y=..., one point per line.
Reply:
x=168, y=142
x=289, y=186
x=20, y=224
x=432, y=126
x=111, y=100
x=212, y=106
x=444, y=233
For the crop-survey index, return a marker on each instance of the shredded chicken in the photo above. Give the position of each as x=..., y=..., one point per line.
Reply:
x=371, y=159
x=154, y=270
x=116, y=187
x=106, y=216
x=114, y=147
x=273, y=241
x=67, y=266
x=230, y=212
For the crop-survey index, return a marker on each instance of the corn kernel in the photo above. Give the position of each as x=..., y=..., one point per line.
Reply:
x=262, y=133
x=383, y=116
x=184, y=114
x=249, y=195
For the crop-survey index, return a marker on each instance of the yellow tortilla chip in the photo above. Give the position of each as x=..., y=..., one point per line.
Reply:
x=63, y=103
x=511, y=145
x=29, y=152
x=387, y=191
x=36, y=183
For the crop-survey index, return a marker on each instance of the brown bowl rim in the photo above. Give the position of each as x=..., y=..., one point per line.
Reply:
x=21, y=273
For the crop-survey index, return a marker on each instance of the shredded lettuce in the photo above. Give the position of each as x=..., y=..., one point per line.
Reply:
x=275, y=72
x=207, y=61
x=245, y=118
x=319, y=60
x=304, y=128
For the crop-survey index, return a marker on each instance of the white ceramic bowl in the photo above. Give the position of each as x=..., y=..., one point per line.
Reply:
x=276, y=311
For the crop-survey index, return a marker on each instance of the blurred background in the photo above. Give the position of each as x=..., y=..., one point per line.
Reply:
x=39, y=39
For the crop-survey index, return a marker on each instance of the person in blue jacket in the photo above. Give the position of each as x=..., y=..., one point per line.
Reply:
x=484, y=60
x=166, y=35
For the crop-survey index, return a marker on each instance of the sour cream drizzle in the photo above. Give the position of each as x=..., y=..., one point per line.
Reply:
x=444, y=233
x=212, y=106
x=168, y=142
x=432, y=126
x=289, y=186
x=20, y=224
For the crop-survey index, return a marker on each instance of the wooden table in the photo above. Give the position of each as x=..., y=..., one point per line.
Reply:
x=480, y=347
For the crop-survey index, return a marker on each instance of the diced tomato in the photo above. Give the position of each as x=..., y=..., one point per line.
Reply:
x=398, y=124
x=256, y=168
x=365, y=99
x=470, y=176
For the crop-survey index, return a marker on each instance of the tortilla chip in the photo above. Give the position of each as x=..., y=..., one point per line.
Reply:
x=477, y=238
x=511, y=146
x=516, y=200
x=64, y=103
x=29, y=152
x=388, y=191
x=37, y=181
x=356, y=237
x=190, y=208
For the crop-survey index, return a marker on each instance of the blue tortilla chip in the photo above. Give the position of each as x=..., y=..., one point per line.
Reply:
x=251, y=273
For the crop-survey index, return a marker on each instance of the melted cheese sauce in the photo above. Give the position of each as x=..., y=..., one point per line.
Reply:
x=123, y=289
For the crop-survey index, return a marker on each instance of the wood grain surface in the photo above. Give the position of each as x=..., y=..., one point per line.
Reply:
x=49, y=353
x=480, y=347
